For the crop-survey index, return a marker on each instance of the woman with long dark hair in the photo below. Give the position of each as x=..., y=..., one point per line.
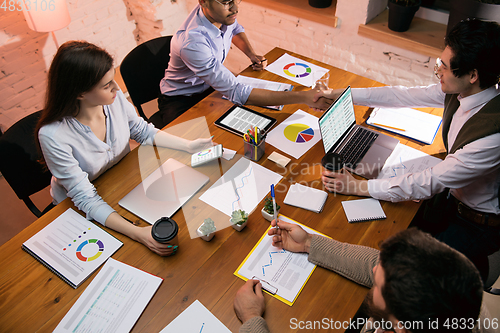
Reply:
x=85, y=129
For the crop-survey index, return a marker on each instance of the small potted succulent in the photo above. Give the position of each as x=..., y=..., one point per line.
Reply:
x=268, y=210
x=206, y=230
x=239, y=219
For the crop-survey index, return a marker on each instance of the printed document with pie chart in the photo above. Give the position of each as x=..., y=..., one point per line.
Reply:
x=72, y=247
x=296, y=69
x=296, y=134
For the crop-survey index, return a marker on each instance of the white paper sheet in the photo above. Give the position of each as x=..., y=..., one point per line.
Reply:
x=405, y=160
x=296, y=134
x=228, y=154
x=243, y=186
x=284, y=270
x=196, y=319
x=295, y=69
x=72, y=247
x=113, y=301
x=414, y=124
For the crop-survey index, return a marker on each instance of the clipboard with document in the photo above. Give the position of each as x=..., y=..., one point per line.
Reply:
x=283, y=274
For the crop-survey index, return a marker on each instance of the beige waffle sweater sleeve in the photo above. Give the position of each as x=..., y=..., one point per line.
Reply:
x=355, y=262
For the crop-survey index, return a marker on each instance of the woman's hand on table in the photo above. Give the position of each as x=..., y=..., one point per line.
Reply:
x=199, y=144
x=143, y=235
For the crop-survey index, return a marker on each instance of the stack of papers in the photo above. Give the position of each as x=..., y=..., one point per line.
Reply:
x=407, y=122
x=306, y=197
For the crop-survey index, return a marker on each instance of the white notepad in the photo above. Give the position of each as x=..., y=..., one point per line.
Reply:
x=363, y=210
x=306, y=197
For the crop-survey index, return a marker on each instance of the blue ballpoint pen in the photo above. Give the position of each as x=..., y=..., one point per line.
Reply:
x=274, y=206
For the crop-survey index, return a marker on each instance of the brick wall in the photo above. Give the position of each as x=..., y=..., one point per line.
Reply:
x=25, y=55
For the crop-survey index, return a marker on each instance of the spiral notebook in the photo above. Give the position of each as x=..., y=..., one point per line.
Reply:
x=306, y=197
x=363, y=210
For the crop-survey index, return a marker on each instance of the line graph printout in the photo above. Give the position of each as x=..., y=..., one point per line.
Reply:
x=113, y=301
x=296, y=69
x=196, y=319
x=404, y=160
x=243, y=186
x=286, y=271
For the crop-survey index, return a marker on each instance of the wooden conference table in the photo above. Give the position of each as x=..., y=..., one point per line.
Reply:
x=34, y=299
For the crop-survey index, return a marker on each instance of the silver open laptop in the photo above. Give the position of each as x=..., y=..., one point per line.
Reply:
x=164, y=191
x=363, y=150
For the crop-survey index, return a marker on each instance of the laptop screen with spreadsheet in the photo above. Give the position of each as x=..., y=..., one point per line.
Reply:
x=337, y=120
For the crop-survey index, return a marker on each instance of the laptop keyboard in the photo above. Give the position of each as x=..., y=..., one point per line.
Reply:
x=357, y=146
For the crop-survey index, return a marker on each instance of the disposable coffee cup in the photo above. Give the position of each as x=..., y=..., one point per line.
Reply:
x=165, y=231
x=332, y=162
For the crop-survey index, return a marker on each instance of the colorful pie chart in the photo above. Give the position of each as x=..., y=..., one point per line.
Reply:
x=297, y=69
x=298, y=133
x=205, y=152
x=100, y=248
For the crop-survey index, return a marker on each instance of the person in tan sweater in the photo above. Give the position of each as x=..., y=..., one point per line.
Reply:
x=412, y=278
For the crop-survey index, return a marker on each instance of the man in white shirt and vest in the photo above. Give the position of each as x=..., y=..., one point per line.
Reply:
x=464, y=187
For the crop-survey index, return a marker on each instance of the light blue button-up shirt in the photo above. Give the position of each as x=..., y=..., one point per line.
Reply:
x=75, y=156
x=197, y=52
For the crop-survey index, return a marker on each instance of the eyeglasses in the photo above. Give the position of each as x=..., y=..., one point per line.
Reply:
x=437, y=66
x=228, y=4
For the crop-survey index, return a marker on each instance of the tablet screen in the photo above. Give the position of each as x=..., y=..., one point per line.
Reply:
x=239, y=119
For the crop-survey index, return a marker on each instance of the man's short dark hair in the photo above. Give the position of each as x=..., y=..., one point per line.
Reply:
x=476, y=45
x=427, y=280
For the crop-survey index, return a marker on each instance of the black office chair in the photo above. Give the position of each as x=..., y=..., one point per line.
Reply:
x=494, y=273
x=142, y=70
x=19, y=162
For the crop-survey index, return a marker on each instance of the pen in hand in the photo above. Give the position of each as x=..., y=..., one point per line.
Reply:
x=274, y=206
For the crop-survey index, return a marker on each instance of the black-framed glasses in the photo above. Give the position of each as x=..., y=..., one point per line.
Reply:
x=437, y=66
x=228, y=4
